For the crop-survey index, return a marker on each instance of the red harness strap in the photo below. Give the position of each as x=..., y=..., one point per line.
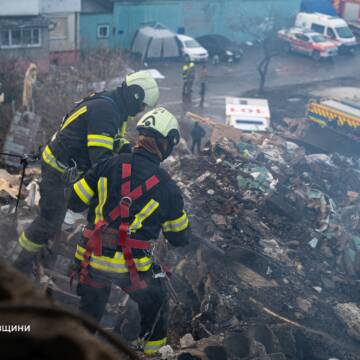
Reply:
x=94, y=244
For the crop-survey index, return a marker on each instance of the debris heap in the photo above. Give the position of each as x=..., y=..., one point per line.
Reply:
x=275, y=258
x=273, y=268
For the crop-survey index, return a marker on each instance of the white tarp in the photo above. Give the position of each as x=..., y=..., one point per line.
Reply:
x=155, y=42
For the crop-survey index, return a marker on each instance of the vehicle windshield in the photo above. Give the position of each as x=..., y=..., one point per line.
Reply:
x=191, y=44
x=344, y=32
x=318, y=39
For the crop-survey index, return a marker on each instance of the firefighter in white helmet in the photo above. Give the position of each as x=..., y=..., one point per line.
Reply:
x=90, y=132
x=130, y=200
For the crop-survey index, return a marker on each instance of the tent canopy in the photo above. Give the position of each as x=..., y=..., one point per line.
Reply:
x=154, y=41
x=321, y=6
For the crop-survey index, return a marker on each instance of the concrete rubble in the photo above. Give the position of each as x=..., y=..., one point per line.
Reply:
x=273, y=268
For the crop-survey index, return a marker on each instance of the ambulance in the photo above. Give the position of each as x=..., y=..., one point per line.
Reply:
x=332, y=27
x=247, y=114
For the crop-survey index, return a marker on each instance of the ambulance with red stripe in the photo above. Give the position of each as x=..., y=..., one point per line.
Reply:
x=307, y=42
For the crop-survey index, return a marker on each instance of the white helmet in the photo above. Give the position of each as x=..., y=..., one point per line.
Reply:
x=160, y=123
x=146, y=82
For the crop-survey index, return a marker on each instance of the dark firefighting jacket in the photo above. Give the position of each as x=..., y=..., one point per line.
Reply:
x=159, y=209
x=87, y=133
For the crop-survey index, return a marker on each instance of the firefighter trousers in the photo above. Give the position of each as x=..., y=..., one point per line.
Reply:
x=52, y=208
x=152, y=302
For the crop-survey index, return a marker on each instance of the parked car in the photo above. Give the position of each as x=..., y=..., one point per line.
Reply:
x=332, y=27
x=308, y=43
x=192, y=50
x=221, y=46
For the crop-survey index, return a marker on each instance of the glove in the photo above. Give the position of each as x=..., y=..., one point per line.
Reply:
x=122, y=146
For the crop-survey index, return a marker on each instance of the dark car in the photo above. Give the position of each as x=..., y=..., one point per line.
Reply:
x=220, y=48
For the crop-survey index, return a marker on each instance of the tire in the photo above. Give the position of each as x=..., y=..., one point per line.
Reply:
x=316, y=55
x=187, y=58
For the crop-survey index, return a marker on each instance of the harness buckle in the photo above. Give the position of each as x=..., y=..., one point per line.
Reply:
x=126, y=201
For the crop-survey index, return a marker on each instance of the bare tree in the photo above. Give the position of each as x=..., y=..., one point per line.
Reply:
x=263, y=31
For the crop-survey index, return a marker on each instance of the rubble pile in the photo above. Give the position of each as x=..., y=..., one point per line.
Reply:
x=273, y=268
x=275, y=246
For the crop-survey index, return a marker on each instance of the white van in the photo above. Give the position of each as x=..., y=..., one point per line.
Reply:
x=247, y=114
x=192, y=50
x=332, y=27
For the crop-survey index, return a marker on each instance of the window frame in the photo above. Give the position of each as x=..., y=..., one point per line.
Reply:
x=11, y=45
x=315, y=27
x=99, y=26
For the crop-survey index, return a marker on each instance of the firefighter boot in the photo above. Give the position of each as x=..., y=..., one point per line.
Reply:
x=24, y=261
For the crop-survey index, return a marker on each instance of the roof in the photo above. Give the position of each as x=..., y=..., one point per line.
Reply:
x=96, y=6
x=156, y=31
x=9, y=22
x=345, y=108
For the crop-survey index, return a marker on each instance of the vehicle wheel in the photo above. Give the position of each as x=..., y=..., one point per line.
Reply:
x=316, y=55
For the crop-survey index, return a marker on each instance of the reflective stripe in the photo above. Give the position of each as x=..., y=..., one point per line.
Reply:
x=123, y=129
x=84, y=191
x=28, y=244
x=50, y=159
x=176, y=225
x=151, y=347
x=145, y=212
x=74, y=116
x=116, y=264
x=100, y=141
x=102, y=197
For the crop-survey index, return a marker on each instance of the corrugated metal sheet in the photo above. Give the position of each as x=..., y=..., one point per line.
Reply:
x=194, y=17
x=198, y=17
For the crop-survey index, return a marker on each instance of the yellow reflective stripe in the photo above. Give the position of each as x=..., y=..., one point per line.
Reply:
x=50, y=159
x=176, y=225
x=333, y=114
x=143, y=214
x=84, y=191
x=123, y=129
x=116, y=264
x=28, y=244
x=102, y=197
x=151, y=347
x=100, y=141
x=74, y=116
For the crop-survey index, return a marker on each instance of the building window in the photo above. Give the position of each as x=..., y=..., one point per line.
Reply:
x=103, y=31
x=19, y=38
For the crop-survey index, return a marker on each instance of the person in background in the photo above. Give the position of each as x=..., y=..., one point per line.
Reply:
x=197, y=134
x=203, y=84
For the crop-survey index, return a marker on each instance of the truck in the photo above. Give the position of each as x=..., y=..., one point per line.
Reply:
x=350, y=11
x=333, y=126
x=247, y=114
x=307, y=42
x=332, y=27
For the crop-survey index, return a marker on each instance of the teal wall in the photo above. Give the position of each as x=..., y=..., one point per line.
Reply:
x=198, y=17
x=88, y=31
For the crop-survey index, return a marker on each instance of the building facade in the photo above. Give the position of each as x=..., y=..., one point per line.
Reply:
x=24, y=34
x=116, y=27
x=64, y=42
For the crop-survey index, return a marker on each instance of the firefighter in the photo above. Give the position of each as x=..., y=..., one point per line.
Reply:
x=197, y=133
x=130, y=199
x=188, y=73
x=91, y=131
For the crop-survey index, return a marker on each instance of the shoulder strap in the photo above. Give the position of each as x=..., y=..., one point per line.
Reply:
x=91, y=97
